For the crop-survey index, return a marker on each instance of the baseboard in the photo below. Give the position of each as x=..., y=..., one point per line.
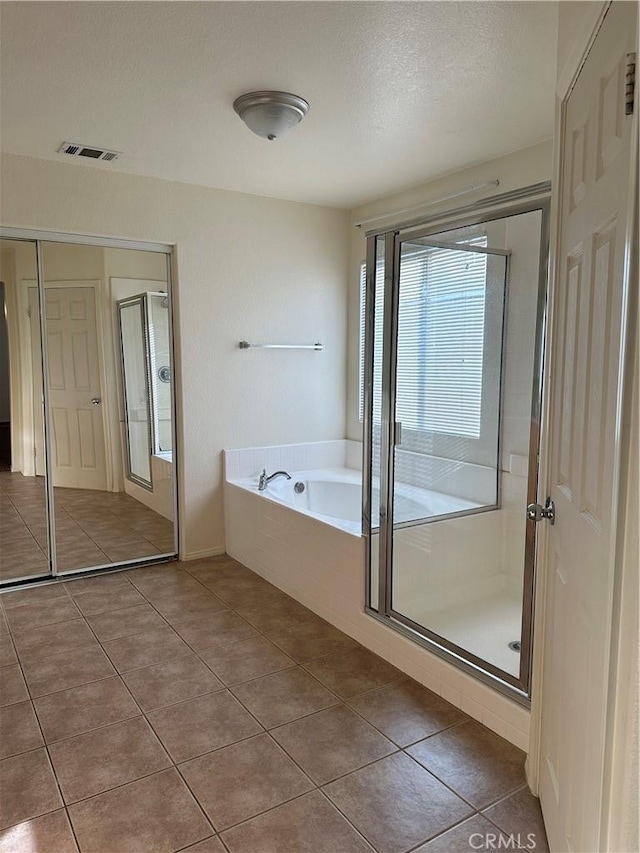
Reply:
x=207, y=552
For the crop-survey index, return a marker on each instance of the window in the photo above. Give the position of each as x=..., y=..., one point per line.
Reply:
x=441, y=323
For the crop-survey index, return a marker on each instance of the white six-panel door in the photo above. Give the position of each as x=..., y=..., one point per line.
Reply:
x=77, y=428
x=589, y=333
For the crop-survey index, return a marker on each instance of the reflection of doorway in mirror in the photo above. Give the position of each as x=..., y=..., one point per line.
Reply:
x=75, y=388
x=143, y=320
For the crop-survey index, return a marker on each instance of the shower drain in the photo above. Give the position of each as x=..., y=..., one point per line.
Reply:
x=514, y=645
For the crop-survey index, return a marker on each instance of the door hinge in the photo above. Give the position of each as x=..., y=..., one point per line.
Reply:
x=629, y=83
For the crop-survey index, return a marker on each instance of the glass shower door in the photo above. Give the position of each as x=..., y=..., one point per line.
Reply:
x=135, y=360
x=454, y=354
x=445, y=433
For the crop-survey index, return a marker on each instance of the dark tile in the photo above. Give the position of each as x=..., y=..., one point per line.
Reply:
x=28, y=787
x=464, y=838
x=8, y=655
x=12, y=686
x=162, y=570
x=156, y=814
x=19, y=729
x=396, y=804
x=201, y=725
x=34, y=615
x=50, y=833
x=209, y=845
x=407, y=712
x=331, y=743
x=279, y=618
x=125, y=623
x=165, y=588
x=105, y=600
x=106, y=758
x=100, y=583
x=246, y=659
x=309, y=824
x=35, y=595
x=81, y=709
x=36, y=643
x=171, y=682
x=240, y=781
x=478, y=764
x=216, y=629
x=193, y=606
x=283, y=696
x=246, y=591
x=207, y=572
x=68, y=669
x=520, y=814
x=145, y=649
x=354, y=671
x=313, y=640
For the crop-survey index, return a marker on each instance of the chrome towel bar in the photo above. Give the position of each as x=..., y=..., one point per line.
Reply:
x=246, y=345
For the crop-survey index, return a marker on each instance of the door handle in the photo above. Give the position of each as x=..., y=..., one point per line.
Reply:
x=537, y=513
x=96, y=401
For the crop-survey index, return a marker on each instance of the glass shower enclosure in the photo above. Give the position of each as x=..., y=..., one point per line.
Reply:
x=146, y=382
x=454, y=324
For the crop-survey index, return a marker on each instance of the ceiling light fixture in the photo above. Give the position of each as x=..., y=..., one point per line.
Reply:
x=270, y=114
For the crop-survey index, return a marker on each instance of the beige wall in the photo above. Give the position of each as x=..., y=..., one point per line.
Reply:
x=247, y=267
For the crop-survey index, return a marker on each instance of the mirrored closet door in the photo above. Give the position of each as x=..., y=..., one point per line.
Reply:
x=83, y=392
x=24, y=534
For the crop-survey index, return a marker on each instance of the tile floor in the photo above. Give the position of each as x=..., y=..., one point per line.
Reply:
x=92, y=528
x=193, y=706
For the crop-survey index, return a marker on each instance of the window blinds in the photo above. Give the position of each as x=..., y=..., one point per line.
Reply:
x=441, y=320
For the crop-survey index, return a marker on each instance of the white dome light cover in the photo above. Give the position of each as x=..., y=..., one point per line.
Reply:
x=270, y=114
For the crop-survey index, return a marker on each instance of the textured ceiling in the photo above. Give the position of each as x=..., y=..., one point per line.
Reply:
x=399, y=92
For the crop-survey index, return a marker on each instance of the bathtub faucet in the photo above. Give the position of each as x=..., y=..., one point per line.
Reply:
x=264, y=481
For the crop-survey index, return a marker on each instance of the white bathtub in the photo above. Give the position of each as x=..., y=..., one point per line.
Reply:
x=334, y=496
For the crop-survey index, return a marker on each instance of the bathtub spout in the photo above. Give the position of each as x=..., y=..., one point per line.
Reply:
x=264, y=481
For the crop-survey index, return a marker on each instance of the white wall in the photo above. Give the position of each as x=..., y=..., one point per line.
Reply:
x=247, y=267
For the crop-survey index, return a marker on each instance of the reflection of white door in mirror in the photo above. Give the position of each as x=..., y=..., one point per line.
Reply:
x=77, y=429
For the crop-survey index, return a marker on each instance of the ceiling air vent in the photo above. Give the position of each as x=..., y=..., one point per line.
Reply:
x=75, y=149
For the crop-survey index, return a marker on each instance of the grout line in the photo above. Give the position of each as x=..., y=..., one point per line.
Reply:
x=172, y=764
x=351, y=824
x=53, y=771
x=301, y=665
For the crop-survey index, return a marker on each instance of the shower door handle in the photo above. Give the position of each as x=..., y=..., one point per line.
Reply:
x=536, y=512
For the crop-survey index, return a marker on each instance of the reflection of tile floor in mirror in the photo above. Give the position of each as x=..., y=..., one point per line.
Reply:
x=92, y=528
x=217, y=714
